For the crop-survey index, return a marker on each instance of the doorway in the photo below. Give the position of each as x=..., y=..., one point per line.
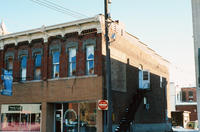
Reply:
x=58, y=117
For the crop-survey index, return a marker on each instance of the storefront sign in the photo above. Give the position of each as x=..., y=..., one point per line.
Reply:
x=7, y=82
x=103, y=104
x=14, y=108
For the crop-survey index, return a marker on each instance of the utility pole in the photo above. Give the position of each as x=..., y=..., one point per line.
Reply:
x=196, y=30
x=108, y=70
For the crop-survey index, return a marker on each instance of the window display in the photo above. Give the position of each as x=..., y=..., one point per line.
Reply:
x=78, y=117
x=20, y=117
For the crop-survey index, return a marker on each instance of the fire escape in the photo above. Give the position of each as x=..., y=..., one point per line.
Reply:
x=130, y=111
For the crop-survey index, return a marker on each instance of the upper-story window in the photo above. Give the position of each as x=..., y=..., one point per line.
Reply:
x=23, y=65
x=144, y=79
x=183, y=96
x=190, y=94
x=9, y=64
x=90, y=59
x=89, y=47
x=9, y=60
x=161, y=82
x=37, y=66
x=72, y=62
x=55, y=63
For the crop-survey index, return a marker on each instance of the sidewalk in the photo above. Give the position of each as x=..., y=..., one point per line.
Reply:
x=183, y=130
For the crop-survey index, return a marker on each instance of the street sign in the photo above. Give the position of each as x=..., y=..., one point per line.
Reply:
x=103, y=104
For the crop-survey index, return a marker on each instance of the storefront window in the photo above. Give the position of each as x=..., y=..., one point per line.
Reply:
x=20, y=117
x=79, y=117
x=87, y=117
x=70, y=116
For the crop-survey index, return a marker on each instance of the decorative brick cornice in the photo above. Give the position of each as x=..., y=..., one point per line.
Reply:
x=46, y=32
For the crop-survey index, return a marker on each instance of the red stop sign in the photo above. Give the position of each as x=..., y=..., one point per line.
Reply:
x=103, y=104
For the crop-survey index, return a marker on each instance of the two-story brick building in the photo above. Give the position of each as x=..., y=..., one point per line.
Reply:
x=188, y=102
x=59, y=76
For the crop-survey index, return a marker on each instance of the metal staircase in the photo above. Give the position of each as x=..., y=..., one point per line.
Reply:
x=130, y=111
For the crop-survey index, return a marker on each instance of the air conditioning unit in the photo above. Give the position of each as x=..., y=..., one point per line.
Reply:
x=144, y=79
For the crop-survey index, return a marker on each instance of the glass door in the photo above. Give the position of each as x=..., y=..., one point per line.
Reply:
x=58, y=117
x=58, y=120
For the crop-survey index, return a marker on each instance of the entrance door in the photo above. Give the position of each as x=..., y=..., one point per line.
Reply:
x=58, y=120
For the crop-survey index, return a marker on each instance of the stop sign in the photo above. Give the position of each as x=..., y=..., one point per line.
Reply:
x=103, y=104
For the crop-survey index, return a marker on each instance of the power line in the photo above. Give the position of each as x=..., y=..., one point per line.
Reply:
x=80, y=14
x=51, y=7
x=58, y=8
x=55, y=8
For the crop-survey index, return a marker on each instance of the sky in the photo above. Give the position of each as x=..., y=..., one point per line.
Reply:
x=164, y=25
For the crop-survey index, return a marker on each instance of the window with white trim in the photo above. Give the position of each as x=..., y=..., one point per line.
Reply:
x=37, y=66
x=9, y=63
x=72, y=62
x=55, y=63
x=23, y=65
x=90, y=59
x=144, y=79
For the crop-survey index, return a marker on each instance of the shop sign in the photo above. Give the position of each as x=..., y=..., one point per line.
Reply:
x=14, y=108
x=103, y=104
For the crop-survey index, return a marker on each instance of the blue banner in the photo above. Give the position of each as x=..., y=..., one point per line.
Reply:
x=7, y=82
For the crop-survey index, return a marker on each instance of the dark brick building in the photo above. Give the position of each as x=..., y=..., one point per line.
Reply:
x=59, y=76
x=188, y=102
x=191, y=107
x=188, y=94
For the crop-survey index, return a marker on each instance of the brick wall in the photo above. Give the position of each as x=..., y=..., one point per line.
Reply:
x=187, y=97
x=47, y=58
x=190, y=108
x=129, y=56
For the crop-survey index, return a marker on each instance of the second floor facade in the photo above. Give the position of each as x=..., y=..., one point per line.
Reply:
x=59, y=57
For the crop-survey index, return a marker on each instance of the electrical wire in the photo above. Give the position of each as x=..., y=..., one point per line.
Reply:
x=55, y=8
x=50, y=7
x=80, y=14
x=58, y=8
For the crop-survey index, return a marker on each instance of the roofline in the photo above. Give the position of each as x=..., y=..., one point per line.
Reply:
x=52, y=27
x=187, y=103
x=148, y=47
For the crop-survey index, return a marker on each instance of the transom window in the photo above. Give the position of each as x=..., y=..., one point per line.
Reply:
x=72, y=61
x=89, y=59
